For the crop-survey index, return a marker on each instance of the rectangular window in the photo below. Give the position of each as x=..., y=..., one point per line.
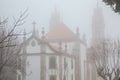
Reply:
x=52, y=62
x=53, y=77
x=19, y=77
x=64, y=77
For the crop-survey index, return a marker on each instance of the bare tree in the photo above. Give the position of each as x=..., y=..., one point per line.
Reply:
x=9, y=49
x=106, y=57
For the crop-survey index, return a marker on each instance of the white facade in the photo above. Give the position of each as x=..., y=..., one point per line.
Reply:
x=59, y=57
x=83, y=62
x=40, y=55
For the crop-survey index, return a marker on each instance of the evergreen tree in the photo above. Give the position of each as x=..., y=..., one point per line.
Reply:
x=114, y=4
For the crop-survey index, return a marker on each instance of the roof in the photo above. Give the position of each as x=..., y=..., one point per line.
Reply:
x=60, y=32
x=56, y=48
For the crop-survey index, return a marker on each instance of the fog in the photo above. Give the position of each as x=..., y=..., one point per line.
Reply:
x=73, y=13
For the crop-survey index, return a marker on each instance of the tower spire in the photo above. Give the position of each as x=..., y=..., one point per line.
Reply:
x=97, y=4
x=77, y=32
x=55, y=19
x=34, y=24
x=98, y=26
x=43, y=32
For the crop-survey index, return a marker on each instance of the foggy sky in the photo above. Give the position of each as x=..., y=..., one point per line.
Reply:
x=73, y=13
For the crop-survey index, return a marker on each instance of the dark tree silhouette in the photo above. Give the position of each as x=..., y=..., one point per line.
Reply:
x=9, y=49
x=114, y=4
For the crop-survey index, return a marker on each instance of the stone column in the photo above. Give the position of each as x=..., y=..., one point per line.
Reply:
x=43, y=67
x=60, y=67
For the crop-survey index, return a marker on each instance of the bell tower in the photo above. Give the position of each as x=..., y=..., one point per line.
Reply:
x=55, y=19
x=98, y=35
x=98, y=26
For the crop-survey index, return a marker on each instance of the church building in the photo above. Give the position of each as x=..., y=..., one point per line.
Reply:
x=59, y=54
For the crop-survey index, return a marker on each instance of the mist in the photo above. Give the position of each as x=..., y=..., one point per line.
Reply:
x=57, y=37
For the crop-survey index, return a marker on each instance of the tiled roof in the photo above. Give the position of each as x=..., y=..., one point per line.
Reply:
x=56, y=48
x=60, y=32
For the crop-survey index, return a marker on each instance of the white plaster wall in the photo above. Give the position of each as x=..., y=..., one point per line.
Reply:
x=48, y=50
x=83, y=60
x=33, y=49
x=70, y=46
x=90, y=68
x=73, y=70
x=33, y=68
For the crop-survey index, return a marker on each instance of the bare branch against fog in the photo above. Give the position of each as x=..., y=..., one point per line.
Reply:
x=106, y=57
x=20, y=21
x=9, y=51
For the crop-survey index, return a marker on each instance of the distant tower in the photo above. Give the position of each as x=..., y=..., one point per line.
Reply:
x=55, y=19
x=98, y=35
x=98, y=26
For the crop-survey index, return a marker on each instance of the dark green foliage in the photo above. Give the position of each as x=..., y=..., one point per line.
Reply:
x=114, y=4
x=119, y=78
